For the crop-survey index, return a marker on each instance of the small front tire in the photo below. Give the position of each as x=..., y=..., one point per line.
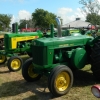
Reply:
x=15, y=63
x=60, y=80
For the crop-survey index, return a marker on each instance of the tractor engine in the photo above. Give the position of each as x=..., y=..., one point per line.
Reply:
x=70, y=50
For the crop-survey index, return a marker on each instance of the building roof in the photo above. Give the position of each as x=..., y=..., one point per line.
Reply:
x=76, y=24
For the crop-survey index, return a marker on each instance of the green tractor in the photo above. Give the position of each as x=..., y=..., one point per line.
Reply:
x=2, y=40
x=16, y=43
x=57, y=57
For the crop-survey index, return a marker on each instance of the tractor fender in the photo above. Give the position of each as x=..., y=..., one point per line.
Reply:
x=95, y=40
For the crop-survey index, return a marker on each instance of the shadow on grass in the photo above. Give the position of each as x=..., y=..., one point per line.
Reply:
x=38, y=89
x=84, y=78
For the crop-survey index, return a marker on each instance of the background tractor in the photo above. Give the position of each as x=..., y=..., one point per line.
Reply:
x=16, y=43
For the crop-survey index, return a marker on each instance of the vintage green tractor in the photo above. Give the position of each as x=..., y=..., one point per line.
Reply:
x=57, y=57
x=16, y=43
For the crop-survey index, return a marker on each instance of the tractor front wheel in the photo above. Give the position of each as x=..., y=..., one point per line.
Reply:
x=15, y=63
x=3, y=59
x=28, y=71
x=60, y=80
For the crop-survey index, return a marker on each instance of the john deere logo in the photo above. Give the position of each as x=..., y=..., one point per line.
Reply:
x=65, y=45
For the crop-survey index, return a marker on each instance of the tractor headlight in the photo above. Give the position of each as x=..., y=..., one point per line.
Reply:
x=96, y=90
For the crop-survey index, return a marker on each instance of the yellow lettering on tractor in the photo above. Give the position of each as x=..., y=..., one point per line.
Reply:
x=14, y=40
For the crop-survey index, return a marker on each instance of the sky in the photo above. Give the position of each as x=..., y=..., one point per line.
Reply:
x=68, y=10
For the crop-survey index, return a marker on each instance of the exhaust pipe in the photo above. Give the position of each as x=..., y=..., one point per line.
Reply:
x=15, y=28
x=59, y=27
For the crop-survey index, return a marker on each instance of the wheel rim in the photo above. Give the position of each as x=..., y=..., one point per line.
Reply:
x=2, y=58
x=31, y=73
x=15, y=64
x=62, y=81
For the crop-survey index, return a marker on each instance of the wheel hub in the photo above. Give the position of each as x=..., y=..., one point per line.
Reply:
x=31, y=73
x=62, y=81
x=15, y=64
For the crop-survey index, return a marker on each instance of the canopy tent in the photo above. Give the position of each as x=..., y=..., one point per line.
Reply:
x=77, y=24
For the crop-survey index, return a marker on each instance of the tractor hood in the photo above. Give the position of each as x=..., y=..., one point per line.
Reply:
x=63, y=41
x=23, y=34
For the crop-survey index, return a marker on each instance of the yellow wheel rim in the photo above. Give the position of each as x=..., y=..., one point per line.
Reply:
x=15, y=64
x=62, y=81
x=31, y=73
x=2, y=58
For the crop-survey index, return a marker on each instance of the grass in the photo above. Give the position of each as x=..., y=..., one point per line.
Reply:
x=14, y=87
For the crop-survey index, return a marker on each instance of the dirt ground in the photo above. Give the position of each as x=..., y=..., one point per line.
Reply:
x=14, y=87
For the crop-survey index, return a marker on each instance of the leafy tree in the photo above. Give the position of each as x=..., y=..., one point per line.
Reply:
x=93, y=18
x=91, y=9
x=43, y=18
x=90, y=6
x=4, y=21
x=23, y=23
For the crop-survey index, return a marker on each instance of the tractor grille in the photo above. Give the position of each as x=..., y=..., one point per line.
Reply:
x=39, y=55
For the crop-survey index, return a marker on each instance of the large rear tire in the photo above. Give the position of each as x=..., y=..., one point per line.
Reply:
x=28, y=71
x=95, y=60
x=60, y=80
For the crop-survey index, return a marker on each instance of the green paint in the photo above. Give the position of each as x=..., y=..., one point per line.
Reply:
x=69, y=50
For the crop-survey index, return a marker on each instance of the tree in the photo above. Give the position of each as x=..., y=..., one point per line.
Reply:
x=93, y=18
x=5, y=21
x=91, y=9
x=90, y=6
x=43, y=18
x=23, y=23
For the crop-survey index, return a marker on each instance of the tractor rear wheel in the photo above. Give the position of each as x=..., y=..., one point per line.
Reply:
x=95, y=60
x=15, y=63
x=60, y=80
x=28, y=71
x=3, y=59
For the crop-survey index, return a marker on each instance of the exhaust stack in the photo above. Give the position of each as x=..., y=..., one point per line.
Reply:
x=59, y=27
